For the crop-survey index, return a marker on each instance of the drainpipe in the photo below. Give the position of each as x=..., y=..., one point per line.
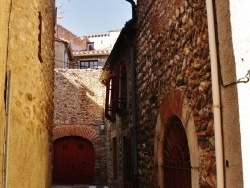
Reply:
x=216, y=96
x=134, y=119
x=133, y=97
x=133, y=8
x=65, y=52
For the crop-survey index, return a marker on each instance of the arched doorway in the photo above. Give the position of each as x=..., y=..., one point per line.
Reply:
x=176, y=157
x=74, y=161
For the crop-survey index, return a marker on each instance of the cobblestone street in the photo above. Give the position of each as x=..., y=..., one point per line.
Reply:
x=79, y=186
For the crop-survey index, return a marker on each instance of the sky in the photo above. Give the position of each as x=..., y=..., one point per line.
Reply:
x=89, y=17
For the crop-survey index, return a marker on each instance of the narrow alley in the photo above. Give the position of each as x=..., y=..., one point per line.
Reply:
x=79, y=186
x=161, y=102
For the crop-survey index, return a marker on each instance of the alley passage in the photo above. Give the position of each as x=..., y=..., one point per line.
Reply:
x=79, y=186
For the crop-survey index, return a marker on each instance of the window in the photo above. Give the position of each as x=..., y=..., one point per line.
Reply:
x=89, y=64
x=90, y=46
x=116, y=93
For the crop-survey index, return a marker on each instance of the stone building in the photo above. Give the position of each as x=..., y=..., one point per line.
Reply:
x=116, y=76
x=79, y=155
x=26, y=84
x=188, y=126
x=78, y=121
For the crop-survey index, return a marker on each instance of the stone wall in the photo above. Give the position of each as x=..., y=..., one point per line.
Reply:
x=28, y=144
x=118, y=128
x=172, y=55
x=78, y=100
x=78, y=97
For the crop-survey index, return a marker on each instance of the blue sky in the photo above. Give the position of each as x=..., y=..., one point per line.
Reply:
x=87, y=17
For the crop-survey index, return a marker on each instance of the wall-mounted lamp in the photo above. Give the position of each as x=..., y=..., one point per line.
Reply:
x=102, y=129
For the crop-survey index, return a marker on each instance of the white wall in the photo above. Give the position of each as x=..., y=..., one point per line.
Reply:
x=104, y=41
x=240, y=19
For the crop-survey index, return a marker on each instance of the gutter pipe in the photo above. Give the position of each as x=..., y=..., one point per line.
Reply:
x=133, y=8
x=133, y=97
x=134, y=120
x=216, y=96
x=65, y=52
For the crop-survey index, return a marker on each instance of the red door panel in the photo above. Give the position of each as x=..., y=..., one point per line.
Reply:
x=73, y=161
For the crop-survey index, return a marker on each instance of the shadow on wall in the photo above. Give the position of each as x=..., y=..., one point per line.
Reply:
x=78, y=97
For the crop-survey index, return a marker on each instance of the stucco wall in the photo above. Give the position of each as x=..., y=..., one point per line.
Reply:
x=234, y=60
x=60, y=56
x=4, y=15
x=240, y=18
x=31, y=107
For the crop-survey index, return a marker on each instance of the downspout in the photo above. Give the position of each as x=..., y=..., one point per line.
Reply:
x=133, y=100
x=134, y=118
x=133, y=8
x=216, y=96
x=65, y=52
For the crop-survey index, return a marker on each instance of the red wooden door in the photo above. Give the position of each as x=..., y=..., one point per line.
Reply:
x=73, y=161
x=177, y=166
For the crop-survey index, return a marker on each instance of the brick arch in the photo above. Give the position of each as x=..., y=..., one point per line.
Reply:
x=175, y=104
x=171, y=105
x=75, y=130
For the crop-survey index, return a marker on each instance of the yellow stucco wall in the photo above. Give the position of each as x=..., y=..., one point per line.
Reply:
x=4, y=14
x=31, y=106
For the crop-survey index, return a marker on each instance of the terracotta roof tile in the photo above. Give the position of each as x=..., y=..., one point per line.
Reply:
x=92, y=52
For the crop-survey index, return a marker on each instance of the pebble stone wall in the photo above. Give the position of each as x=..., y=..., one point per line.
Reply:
x=173, y=53
x=78, y=101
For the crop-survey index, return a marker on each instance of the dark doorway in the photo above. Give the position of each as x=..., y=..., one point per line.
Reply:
x=127, y=162
x=74, y=161
x=177, y=166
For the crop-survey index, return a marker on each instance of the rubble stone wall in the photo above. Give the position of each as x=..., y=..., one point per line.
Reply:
x=173, y=54
x=78, y=100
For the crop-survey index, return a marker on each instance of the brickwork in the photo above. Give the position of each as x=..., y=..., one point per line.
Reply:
x=76, y=42
x=74, y=130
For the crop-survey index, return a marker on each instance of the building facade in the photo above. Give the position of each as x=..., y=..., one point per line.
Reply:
x=79, y=148
x=26, y=104
x=78, y=123
x=188, y=125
